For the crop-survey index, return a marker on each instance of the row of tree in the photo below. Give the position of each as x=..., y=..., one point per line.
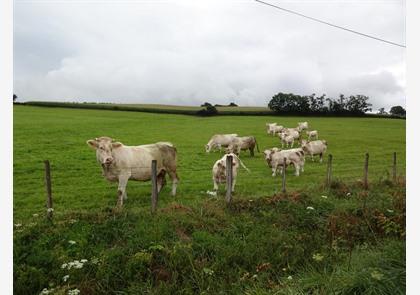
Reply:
x=289, y=103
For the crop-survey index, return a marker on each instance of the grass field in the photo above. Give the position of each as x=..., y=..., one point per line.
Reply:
x=194, y=238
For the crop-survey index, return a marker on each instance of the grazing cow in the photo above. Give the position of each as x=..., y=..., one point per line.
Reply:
x=292, y=132
x=275, y=159
x=286, y=139
x=312, y=148
x=242, y=143
x=276, y=129
x=219, y=141
x=122, y=163
x=269, y=126
x=302, y=126
x=312, y=134
x=219, y=170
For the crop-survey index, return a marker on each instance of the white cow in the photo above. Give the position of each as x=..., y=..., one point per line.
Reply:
x=122, y=163
x=219, y=170
x=219, y=141
x=286, y=139
x=292, y=132
x=302, y=126
x=316, y=147
x=242, y=143
x=276, y=129
x=312, y=134
x=269, y=126
x=275, y=159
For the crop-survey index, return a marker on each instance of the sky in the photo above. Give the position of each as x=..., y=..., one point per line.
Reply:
x=192, y=51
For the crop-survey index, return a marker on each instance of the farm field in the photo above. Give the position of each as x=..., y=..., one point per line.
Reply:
x=195, y=240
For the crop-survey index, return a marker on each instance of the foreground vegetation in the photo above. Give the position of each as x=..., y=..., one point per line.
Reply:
x=312, y=240
x=339, y=241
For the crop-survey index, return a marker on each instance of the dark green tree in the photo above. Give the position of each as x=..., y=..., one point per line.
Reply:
x=397, y=111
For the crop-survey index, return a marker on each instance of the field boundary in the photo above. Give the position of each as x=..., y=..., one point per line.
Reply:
x=130, y=108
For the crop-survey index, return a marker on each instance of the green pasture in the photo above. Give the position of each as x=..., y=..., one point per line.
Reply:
x=60, y=135
x=312, y=240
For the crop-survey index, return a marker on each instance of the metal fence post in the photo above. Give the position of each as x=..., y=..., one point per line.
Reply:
x=329, y=170
x=283, y=179
x=49, y=191
x=365, y=178
x=154, y=186
x=229, y=179
x=394, y=168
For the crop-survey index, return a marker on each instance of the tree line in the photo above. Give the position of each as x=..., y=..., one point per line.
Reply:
x=289, y=103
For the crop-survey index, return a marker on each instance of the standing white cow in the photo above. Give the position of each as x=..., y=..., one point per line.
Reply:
x=243, y=143
x=313, y=148
x=122, y=163
x=286, y=139
x=302, y=126
x=219, y=141
x=312, y=134
x=269, y=126
x=275, y=159
x=219, y=170
x=276, y=129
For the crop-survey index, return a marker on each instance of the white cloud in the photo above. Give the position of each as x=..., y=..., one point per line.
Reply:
x=188, y=52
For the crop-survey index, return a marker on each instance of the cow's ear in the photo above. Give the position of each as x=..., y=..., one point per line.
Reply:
x=219, y=164
x=116, y=144
x=92, y=143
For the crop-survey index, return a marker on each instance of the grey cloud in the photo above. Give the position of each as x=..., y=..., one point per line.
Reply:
x=186, y=52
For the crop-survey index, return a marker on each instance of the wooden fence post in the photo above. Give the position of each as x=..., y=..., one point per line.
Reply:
x=283, y=179
x=394, y=168
x=154, y=186
x=365, y=178
x=329, y=170
x=49, y=191
x=229, y=179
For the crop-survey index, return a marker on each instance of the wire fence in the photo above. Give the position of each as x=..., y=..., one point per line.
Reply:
x=66, y=179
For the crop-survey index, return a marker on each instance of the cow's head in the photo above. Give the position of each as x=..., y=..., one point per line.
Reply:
x=104, y=146
x=303, y=142
x=207, y=147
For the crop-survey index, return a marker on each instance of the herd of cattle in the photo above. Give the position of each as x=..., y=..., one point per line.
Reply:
x=122, y=163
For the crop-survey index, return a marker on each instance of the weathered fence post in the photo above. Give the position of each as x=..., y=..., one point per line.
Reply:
x=365, y=178
x=283, y=179
x=394, y=168
x=49, y=191
x=329, y=170
x=154, y=186
x=229, y=179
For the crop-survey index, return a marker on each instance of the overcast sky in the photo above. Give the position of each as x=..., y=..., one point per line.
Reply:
x=188, y=52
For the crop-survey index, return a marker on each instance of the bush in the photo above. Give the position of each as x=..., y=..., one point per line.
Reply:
x=208, y=111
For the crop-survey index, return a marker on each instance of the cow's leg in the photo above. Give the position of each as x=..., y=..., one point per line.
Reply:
x=161, y=180
x=251, y=150
x=312, y=157
x=122, y=184
x=274, y=169
x=297, y=168
x=233, y=184
x=320, y=157
x=175, y=180
x=215, y=184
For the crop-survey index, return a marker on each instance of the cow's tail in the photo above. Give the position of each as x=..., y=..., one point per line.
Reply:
x=256, y=143
x=242, y=164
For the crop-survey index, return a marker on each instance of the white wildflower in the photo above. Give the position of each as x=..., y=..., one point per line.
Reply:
x=95, y=260
x=390, y=211
x=348, y=194
x=72, y=221
x=211, y=193
x=208, y=271
x=290, y=278
x=73, y=292
x=64, y=265
x=83, y=260
x=317, y=257
x=310, y=208
x=35, y=215
x=255, y=276
x=18, y=224
x=71, y=242
x=324, y=197
x=50, y=210
x=284, y=269
x=65, y=278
